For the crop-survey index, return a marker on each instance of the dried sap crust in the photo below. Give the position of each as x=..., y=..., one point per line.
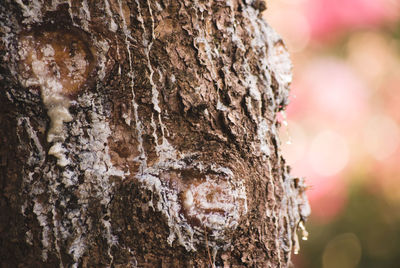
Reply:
x=202, y=200
x=59, y=62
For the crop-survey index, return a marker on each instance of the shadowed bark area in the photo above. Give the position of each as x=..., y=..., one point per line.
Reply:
x=144, y=134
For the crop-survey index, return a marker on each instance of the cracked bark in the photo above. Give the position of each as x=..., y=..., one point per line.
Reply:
x=143, y=134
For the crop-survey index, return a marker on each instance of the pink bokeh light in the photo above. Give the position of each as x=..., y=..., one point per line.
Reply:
x=346, y=73
x=329, y=17
x=327, y=88
x=327, y=196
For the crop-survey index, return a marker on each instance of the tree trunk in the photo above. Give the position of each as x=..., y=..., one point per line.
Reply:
x=143, y=134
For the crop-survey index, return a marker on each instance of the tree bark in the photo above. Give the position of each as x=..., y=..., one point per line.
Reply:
x=144, y=134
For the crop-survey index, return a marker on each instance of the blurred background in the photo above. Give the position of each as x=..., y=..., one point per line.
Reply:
x=341, y=130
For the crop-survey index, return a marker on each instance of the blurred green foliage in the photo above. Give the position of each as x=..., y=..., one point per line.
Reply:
x=368, y=224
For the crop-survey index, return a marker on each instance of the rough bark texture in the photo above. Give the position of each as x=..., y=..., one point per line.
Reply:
x=143, y=134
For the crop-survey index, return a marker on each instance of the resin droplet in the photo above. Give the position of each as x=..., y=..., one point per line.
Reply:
x=304, y=231
x=60, y=60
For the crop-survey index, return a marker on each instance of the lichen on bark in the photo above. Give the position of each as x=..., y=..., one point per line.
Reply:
x=170, y=156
